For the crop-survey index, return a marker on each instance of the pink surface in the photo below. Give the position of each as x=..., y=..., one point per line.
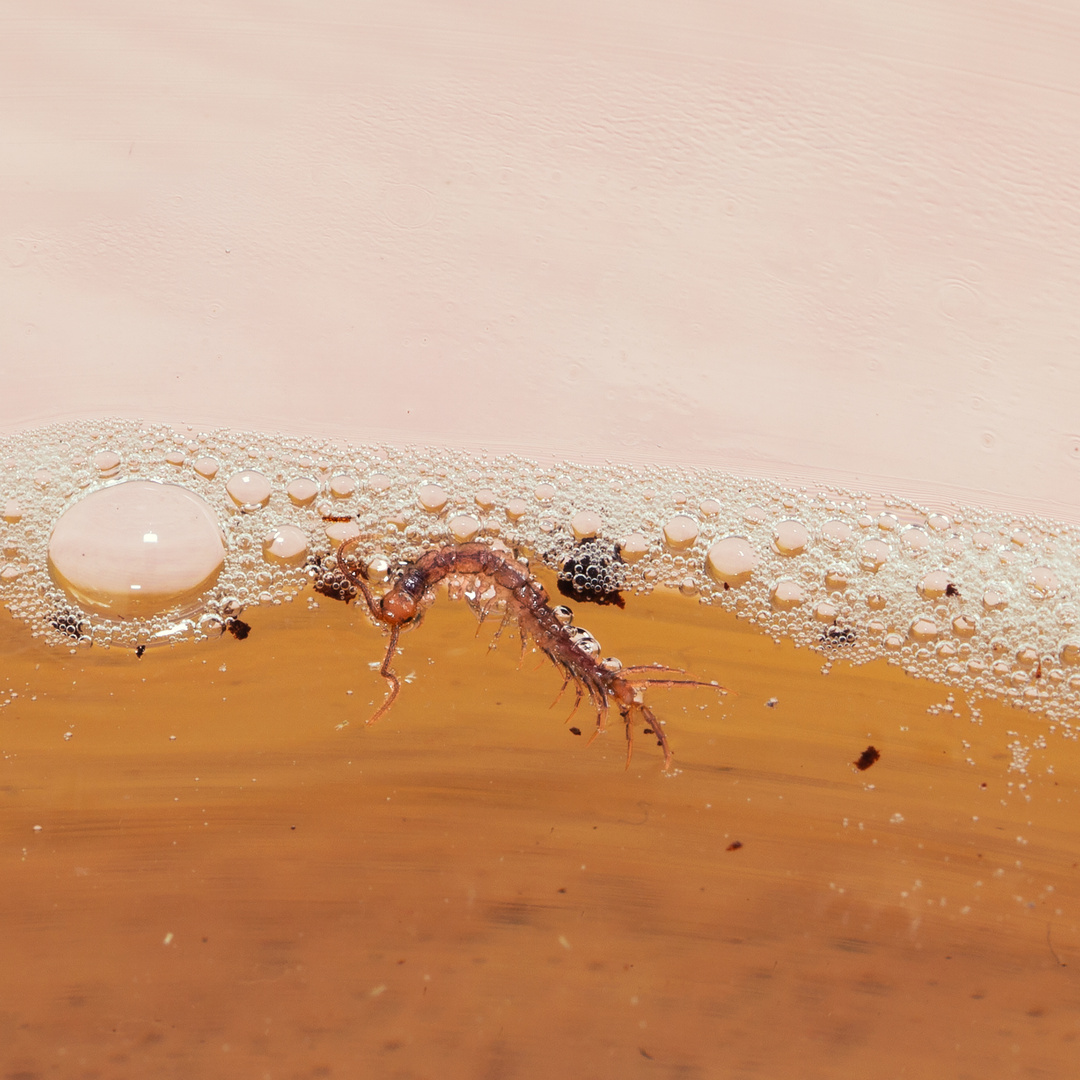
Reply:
x=831, y=239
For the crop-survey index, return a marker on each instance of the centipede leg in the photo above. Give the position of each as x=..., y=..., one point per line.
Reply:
x=629, y=723
x=387, y=673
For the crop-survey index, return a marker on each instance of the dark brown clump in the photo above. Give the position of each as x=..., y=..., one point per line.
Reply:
x=867, y=758
x=951, y=590
x=734, y=845
x=238, y=628
x=575, y=731
x=140, y=650
x=593, y=573
x=838, y=636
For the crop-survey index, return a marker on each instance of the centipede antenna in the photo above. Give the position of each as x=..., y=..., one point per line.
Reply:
x=387, y=673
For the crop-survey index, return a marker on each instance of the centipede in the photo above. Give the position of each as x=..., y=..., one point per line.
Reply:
x=495, y=580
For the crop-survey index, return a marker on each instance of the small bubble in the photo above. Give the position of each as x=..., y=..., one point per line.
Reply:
x=709, y=508
x=964, y=626
x=485, y=499
x=836, y=532
x=432, y=498
x=206, y=467
x=731, y=561
x=249, y=489
x=680, y=532
x=585, y=525
x=836, y=580
x=515, y=509
x=378, y=482
x=12, y=511
x=791, y=537
x=755, y=514
x=787, y=594
x=873, y=554
x=543, y=493
x=1043, y=581
x=922, y=629
x=341, y=487
x=933, y=585
x=995, y=598
x=340, y=531
x=287, y=544
x=463, y=528
x=302, y=491
x=107, y=463
x=632, y=548
x=914, y=540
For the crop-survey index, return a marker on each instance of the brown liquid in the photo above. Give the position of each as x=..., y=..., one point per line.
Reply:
x=467, y=889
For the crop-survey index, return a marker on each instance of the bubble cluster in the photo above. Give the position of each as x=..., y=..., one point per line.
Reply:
x=985, y=601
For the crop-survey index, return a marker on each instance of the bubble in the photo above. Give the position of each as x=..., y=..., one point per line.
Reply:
x=933, y=585
x=680, y=532
x=378, y=482
x=302, y=491
x=1043, y=581
x=286, y=544
x=982, y=540
x=836, y=580
x=107, y=463
x=632, y=548
x=873, y=554
x=485, y=499
x=938, y=522
x=731, y=561
x=585, y=525
x=1070, y=653
x=888, y=522
x=515, y=509
x=787, y=594
x=175, y=458
x=995, y=598
x=12, y=511
x=341, y=487
x=709, y=508
x=755, y=514
x=826, y=612
x=791, y=537
x=544, y=493
x=964, y=626
x=915, y=541
x=136, y=548
x=463, y=528
x=923, y=628
x=249, y=489
x=340, y=531
x=432, y=498
x=836, y=532
x=206, y=467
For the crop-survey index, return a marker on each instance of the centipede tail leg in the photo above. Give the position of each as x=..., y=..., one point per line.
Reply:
x=387, y=673
x=658, y=731
x=629, y=723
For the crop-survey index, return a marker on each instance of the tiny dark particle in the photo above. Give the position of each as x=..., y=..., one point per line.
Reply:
x=983, y=784
x=648, y=731
x=238, y=628
x=140, y=650
x=292, y=827
x=951, y=590
x=575, y=731
x=645, y=1053
x=561, y=890
x=867, y=758
x=734, y=845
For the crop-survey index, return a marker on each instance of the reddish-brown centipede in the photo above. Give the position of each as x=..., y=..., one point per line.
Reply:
x=573, y=651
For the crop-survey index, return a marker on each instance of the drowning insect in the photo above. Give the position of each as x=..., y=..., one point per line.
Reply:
x=573, y=651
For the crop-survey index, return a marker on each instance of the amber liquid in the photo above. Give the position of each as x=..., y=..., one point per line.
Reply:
x=227, y=883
